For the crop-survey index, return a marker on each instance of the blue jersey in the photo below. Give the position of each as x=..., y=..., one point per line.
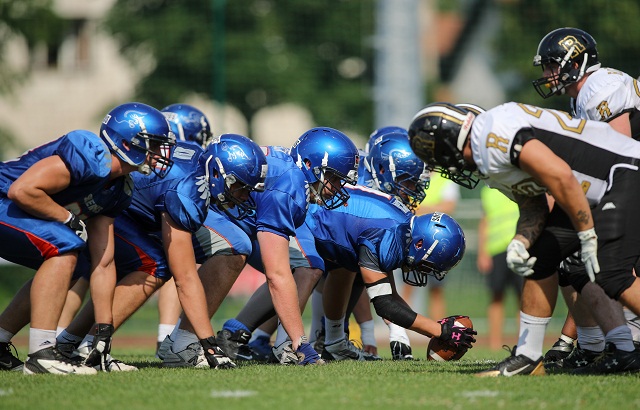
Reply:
x=28, y=240
x=90, y=191
x=183, y=193
x=370, y=219
x=282, y=207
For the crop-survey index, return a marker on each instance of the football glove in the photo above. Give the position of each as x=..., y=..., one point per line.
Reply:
x=101, y=347
x=77, y=226
x=458, y=336
x=307, y=354
x=589, y=252
x=518, y=259
x=215, y=356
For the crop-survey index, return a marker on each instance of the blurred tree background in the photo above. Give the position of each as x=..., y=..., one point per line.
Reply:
x=35, y=22
x=319, y=54
x=314, y=53
x=525, y=22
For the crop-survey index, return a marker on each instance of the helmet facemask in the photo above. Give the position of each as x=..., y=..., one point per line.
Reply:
x=575, y=54
x=234, y=193
x=329, y=189
x=440, y=140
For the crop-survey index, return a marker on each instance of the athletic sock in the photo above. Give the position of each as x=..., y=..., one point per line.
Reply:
x=531, y=337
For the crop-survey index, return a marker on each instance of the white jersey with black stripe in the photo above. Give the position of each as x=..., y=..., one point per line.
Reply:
x=605, y=94
x=593, y=150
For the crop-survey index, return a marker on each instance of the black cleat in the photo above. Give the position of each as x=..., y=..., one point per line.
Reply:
x=613, y=361
x=560, y=350
x=515, y=365
x=8, y=361
x=400, y=351
x=235, y=345
x=578, y=359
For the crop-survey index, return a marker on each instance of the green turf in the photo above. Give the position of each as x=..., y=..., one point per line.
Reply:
x=369, y=385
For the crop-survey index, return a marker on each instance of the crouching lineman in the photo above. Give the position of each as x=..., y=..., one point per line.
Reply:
x=328, y=160
x=55, y=198
x=154, y=236
x=369, y=236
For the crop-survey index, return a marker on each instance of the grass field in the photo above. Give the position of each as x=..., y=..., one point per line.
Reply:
x=367, y=385
x=378, y=385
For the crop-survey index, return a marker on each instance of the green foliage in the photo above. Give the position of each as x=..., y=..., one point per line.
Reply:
x=35, y=21
x=526, y=22
x=273, y=52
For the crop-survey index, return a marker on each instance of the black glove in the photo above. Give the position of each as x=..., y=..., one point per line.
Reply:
x=99, y=354
x=460, y=337
x=77, y=226
x=215, y=356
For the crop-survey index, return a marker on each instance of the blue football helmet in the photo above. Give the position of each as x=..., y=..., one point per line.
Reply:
x=396, y=170
x=188, y=123
x=236, y=167
x=325, y=154
x=379, y=132
x=139, y=135
x=437, y=245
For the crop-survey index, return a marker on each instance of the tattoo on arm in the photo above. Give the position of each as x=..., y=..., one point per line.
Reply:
x=533, y=215
x=583, y=216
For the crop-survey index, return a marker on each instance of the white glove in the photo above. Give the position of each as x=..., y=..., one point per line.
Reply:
x=518, y=259
x=77, y=226
x=589, y=252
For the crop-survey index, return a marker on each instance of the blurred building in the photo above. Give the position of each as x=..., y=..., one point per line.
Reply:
x=73, y=84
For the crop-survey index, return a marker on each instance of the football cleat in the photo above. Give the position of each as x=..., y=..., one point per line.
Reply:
x=8, y=361
x=71, y=352
x=191, y=356
x=613, y=361
x=558, y=351
x=50, y=360
x=578, y=358
x=284, y=354
x=318, y=345
x=164, y=348
x=343, y=350
x=400, y=351
x=234, y=345
x=515, y=365
x=115, y=365
x=262, y=349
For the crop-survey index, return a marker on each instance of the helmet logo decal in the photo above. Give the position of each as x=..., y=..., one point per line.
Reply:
x=235, y=152
x=430, y=250
x=436, y=216
x=203, y=187
x=134, y=118
x=572, y=45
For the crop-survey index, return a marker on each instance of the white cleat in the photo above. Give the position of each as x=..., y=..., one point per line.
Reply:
x=49, y=360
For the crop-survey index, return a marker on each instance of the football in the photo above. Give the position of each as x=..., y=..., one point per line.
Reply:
x=442, y=351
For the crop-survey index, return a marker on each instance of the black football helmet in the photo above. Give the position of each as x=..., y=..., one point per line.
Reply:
x=437, y=135
x=573, y=50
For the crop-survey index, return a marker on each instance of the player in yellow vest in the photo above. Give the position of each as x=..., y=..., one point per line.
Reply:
x=495, y=230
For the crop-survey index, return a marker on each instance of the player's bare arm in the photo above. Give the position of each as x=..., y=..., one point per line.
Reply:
x=103, y=269
x=32, y=190
x=182, y=263
x=533, y=214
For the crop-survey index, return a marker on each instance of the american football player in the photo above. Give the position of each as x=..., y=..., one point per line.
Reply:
x=525, y=152
x=154, y=235
x=60, y=199
x=571, y=65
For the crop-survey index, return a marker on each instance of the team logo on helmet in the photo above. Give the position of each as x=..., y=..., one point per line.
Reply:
x=234, y=151
x=570, y=43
